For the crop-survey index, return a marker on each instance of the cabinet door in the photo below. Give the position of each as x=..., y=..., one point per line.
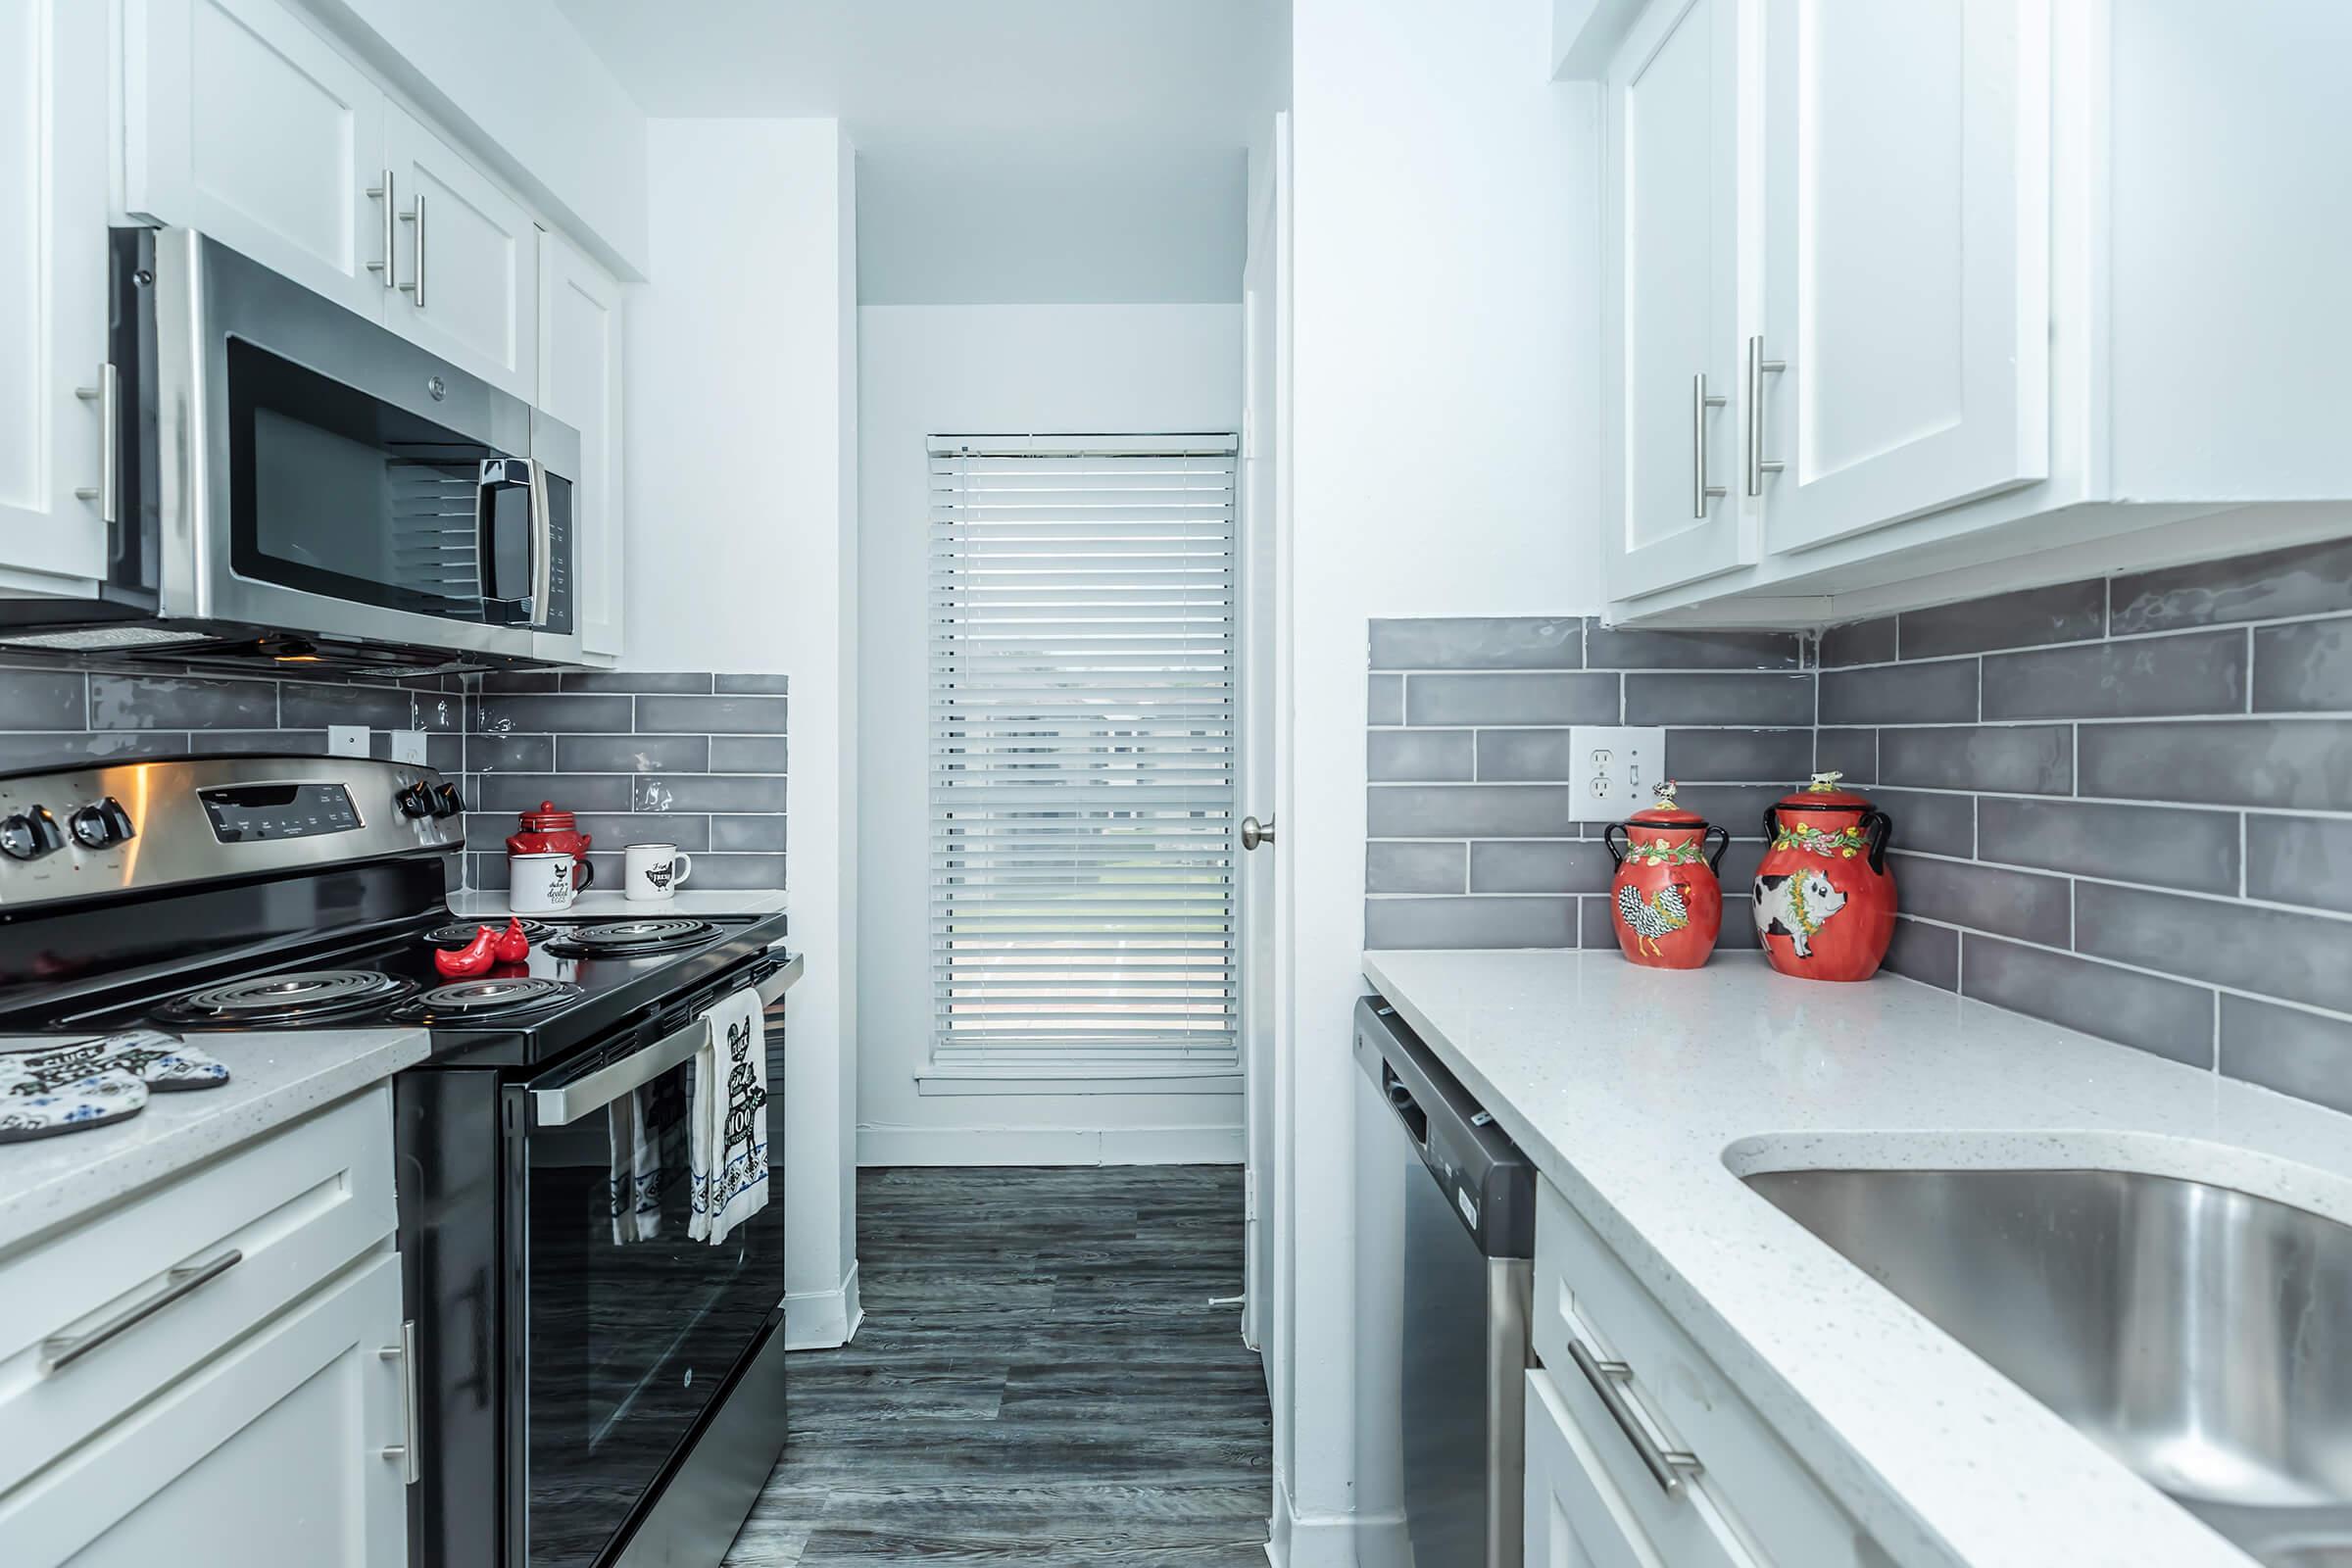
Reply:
x=1906, y=243
x=271, y=1453
x=468, y=260
x=579, y=383
x=53, y=136
x=1575, y=1517
x=243, y=122
x=1671, y=279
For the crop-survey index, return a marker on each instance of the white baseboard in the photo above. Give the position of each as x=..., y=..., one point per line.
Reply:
x=1320, y=1540
x=1050, y=1146
x=823, y=1320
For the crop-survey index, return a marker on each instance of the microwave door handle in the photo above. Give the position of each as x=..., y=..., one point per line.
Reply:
x=567, y=1102
x=505, y=473
x=543, y=547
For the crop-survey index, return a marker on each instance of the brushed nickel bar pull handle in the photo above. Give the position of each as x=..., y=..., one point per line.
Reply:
x=1666, y=1467
x=63, y=1349
x=108, y=394
x=1758, y=464
x=1701, y=401
x=383, y=193
x=415, y=287
x=405, y=1450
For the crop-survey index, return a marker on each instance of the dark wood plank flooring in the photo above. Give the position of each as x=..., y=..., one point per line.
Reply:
x=1040, y=1379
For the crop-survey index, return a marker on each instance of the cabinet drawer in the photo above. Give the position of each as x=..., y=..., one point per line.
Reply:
x=1682, y=1403
x=1582, y=1509
x=291, y=1210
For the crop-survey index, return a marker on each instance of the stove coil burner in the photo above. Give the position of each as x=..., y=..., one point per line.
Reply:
x=307, y=997
x=460, y=932
x=631, y=939
x=492, y=996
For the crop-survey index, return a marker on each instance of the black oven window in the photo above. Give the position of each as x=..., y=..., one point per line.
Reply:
x=335, y=493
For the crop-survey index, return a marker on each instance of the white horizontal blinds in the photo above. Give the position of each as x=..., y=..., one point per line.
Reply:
x=1082, y=751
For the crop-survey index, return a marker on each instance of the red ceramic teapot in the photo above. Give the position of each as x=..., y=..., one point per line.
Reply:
x=1825, y=903
x=1666, y=902
x=548, y=831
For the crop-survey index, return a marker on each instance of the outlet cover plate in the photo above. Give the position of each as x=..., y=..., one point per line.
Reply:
x=1613, y=771
x=347, y=740
x=407, y=745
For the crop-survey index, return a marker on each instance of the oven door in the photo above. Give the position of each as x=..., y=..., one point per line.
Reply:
x=337, y=480
x=621, y=1328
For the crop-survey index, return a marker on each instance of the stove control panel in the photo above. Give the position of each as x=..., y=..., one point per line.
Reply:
x=131, y=827
x=242, y=813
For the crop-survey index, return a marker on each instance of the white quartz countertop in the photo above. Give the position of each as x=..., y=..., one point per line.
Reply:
x=592, y=904
x=1643, y=1093
x=274, y=1077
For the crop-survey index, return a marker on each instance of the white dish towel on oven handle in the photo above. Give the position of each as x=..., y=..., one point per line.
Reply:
x=728, y=1157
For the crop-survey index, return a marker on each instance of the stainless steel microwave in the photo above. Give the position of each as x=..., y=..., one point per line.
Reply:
x=289, y=481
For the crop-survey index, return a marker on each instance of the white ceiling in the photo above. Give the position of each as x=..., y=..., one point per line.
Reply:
x=1062, y=149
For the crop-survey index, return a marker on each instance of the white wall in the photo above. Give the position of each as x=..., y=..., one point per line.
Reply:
x=533, y=100
x=954, y=369
x=1442, y=462
x=742, y=505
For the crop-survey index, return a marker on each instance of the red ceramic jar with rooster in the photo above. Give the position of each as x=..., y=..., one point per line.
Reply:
x=1667, y=906
x=548, y=831
x=1825, y=901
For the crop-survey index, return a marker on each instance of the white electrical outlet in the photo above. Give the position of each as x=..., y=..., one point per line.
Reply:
x=1613, y=770
x=407, y=745
x=347, y=740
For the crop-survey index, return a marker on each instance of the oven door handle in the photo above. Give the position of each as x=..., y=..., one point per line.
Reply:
x=568, y=1102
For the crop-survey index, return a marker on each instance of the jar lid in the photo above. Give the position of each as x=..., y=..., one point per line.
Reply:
x=548, y=819
x=1664, y=812
x=1823, y=794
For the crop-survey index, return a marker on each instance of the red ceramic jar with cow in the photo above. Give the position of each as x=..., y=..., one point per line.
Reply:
x=1825, y=901
x=548, y=831
x=1665, y=900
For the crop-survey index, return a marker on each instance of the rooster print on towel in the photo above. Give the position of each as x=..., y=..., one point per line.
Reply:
x=1654, y=915
x=738, y=1164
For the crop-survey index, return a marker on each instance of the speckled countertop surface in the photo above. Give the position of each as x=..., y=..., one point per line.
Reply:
x=274, y=1077
x=1641, y=1092
x=592, y=904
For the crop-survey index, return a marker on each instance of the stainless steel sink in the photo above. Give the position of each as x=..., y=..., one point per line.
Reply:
x=2203, y=1336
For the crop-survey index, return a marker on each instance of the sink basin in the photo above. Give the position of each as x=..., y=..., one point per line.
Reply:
x=2202, y=1336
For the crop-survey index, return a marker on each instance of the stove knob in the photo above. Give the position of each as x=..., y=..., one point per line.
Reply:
x=415, y=800
x=446, y=801
x=94, y=827
x=30, y=834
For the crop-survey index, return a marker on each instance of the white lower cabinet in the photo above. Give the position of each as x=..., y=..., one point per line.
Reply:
x=273, y=1453
x=1639, y=1452
x=216, y=1372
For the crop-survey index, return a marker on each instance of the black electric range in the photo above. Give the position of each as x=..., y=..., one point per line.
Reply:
x=594, y=1385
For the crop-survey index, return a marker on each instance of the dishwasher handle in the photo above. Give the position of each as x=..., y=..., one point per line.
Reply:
x=1400, y=1096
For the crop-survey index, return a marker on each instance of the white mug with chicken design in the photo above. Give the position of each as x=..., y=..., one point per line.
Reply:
x=652, y=872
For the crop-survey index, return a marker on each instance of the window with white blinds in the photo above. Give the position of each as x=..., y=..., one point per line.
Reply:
x=1082, y=752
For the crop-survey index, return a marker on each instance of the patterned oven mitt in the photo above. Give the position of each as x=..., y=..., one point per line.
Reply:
x=48, y=1089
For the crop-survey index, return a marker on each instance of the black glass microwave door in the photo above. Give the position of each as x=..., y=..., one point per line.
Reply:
x=335, y=493
x=632, y=1324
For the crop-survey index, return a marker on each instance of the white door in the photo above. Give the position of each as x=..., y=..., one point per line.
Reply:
x=1906, y=243
x=53, y=139
x=241, y=121
x=468, y=260
x=1671, y=283
x=271, y=1453
x=579, y=383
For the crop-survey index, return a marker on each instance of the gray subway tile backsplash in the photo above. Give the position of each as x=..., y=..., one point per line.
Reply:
x=44, y=699
x=2142, y=830
x=712, y=716
x=1640, y=648
x=1471, y=922
x=1415, y=868
x=1405, y=754
x=182, y=702
x=1384, y=699
x=1475, y=642
x=501, y=712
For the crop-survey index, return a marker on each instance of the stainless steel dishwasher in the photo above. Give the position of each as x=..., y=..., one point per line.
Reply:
x=1445, y=1230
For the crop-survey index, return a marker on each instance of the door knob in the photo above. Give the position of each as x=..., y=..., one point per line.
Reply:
x=1253, y=833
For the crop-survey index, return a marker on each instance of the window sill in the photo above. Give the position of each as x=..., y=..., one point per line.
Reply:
x=1079, y=1080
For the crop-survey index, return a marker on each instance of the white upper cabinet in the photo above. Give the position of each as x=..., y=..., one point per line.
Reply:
x=1906, y=258
x=242, y=121
x=1672, y=292
x=53, y=139
x=2017, y=292
x=468, y=257
x=579, y=371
